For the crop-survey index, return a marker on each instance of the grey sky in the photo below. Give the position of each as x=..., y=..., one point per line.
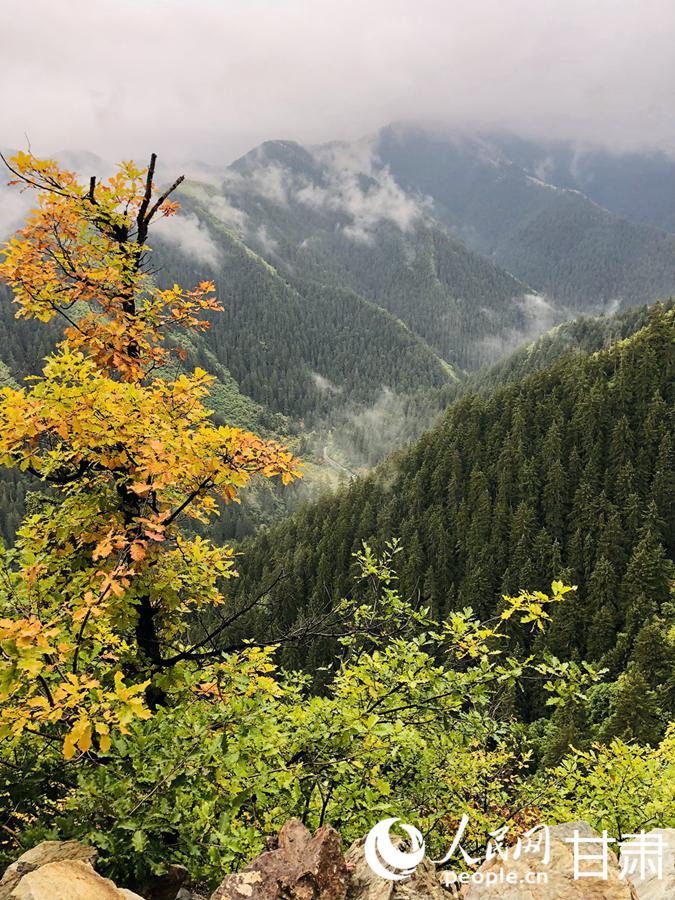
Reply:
x=211, y=78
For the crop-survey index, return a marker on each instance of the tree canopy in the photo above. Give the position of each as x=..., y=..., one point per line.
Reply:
x=96, y=592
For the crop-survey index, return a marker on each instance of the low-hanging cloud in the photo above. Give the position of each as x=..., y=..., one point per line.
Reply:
x=218, y=206
x=356, y=186
x=538, y=316
x=370, y=433
x=192, y=236
x=324, y=385
x=14, y=207
x=267, y=243
x=205, y=79
x=346, y=178
x=270, y=181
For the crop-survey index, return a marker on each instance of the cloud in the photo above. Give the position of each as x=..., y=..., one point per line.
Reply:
x=219, y=207
x=206, y=79
x=372, y=432
x=346, y=179
x=14, y=207
x=356, y=186
x=538, y=316
x=192, y=236
x=612, y=306
x=269, y=246
x=268, y=180
x=544, y=168
x=324, y=385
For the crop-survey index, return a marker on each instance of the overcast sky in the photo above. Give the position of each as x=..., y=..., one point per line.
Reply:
x=211, y=78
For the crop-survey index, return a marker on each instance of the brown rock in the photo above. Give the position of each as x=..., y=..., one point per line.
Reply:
x=364, y=884
x=167, y=886
x=301, y=868
x=560, y=883
x=41, y=855
x=66, y=880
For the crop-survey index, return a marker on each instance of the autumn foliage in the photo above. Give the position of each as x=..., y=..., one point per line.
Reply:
x=98, y=592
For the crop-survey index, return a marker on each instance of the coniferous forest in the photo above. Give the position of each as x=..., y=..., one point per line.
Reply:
x=565, y=473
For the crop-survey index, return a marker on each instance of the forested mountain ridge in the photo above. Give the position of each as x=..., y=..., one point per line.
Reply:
x=368, y=437
x=374, y=216
x=296, y=346
x=333, y=217
x=568, y=472
x=300, y=348
x=583, y=334
x=637, y=185
x=295, y=349
x=554, y=238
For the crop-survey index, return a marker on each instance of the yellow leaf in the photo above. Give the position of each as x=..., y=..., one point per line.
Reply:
x=69, y=746
x=84, y=742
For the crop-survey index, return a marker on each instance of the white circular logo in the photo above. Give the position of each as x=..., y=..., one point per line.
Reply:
x=379, y=849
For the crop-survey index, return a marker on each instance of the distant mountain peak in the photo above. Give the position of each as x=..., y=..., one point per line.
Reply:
x=287, y=154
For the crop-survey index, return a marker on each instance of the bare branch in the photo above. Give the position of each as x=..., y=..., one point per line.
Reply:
x=188, y=500
x=142, y=219
x=190, y=654
x=161, y=200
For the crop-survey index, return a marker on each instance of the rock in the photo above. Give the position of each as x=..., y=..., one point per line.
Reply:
x=651, y=887
x=167, y=886
x=560, y=884
x=301, y=868
x=41, y=855
x=364, y=884
x=67, y=880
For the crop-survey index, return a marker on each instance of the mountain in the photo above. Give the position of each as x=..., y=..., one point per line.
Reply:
x=288, y=360
x=554, y=238
x=422, y=225
x=332, y=216
x=639, y=186
x=565, y=473
x=343, y=285
x=351, y=312
x=299, y=348
x=429, y=228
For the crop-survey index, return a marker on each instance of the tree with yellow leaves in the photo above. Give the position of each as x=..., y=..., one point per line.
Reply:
x=95, y=598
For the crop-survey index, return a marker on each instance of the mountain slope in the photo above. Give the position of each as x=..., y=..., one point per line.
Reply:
x=583, y=335
x=286, y=359
x=299, y=348
x=331, y=216
x=568, y=472
x=556, y=239
x=366, y=438
x=639, y=186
